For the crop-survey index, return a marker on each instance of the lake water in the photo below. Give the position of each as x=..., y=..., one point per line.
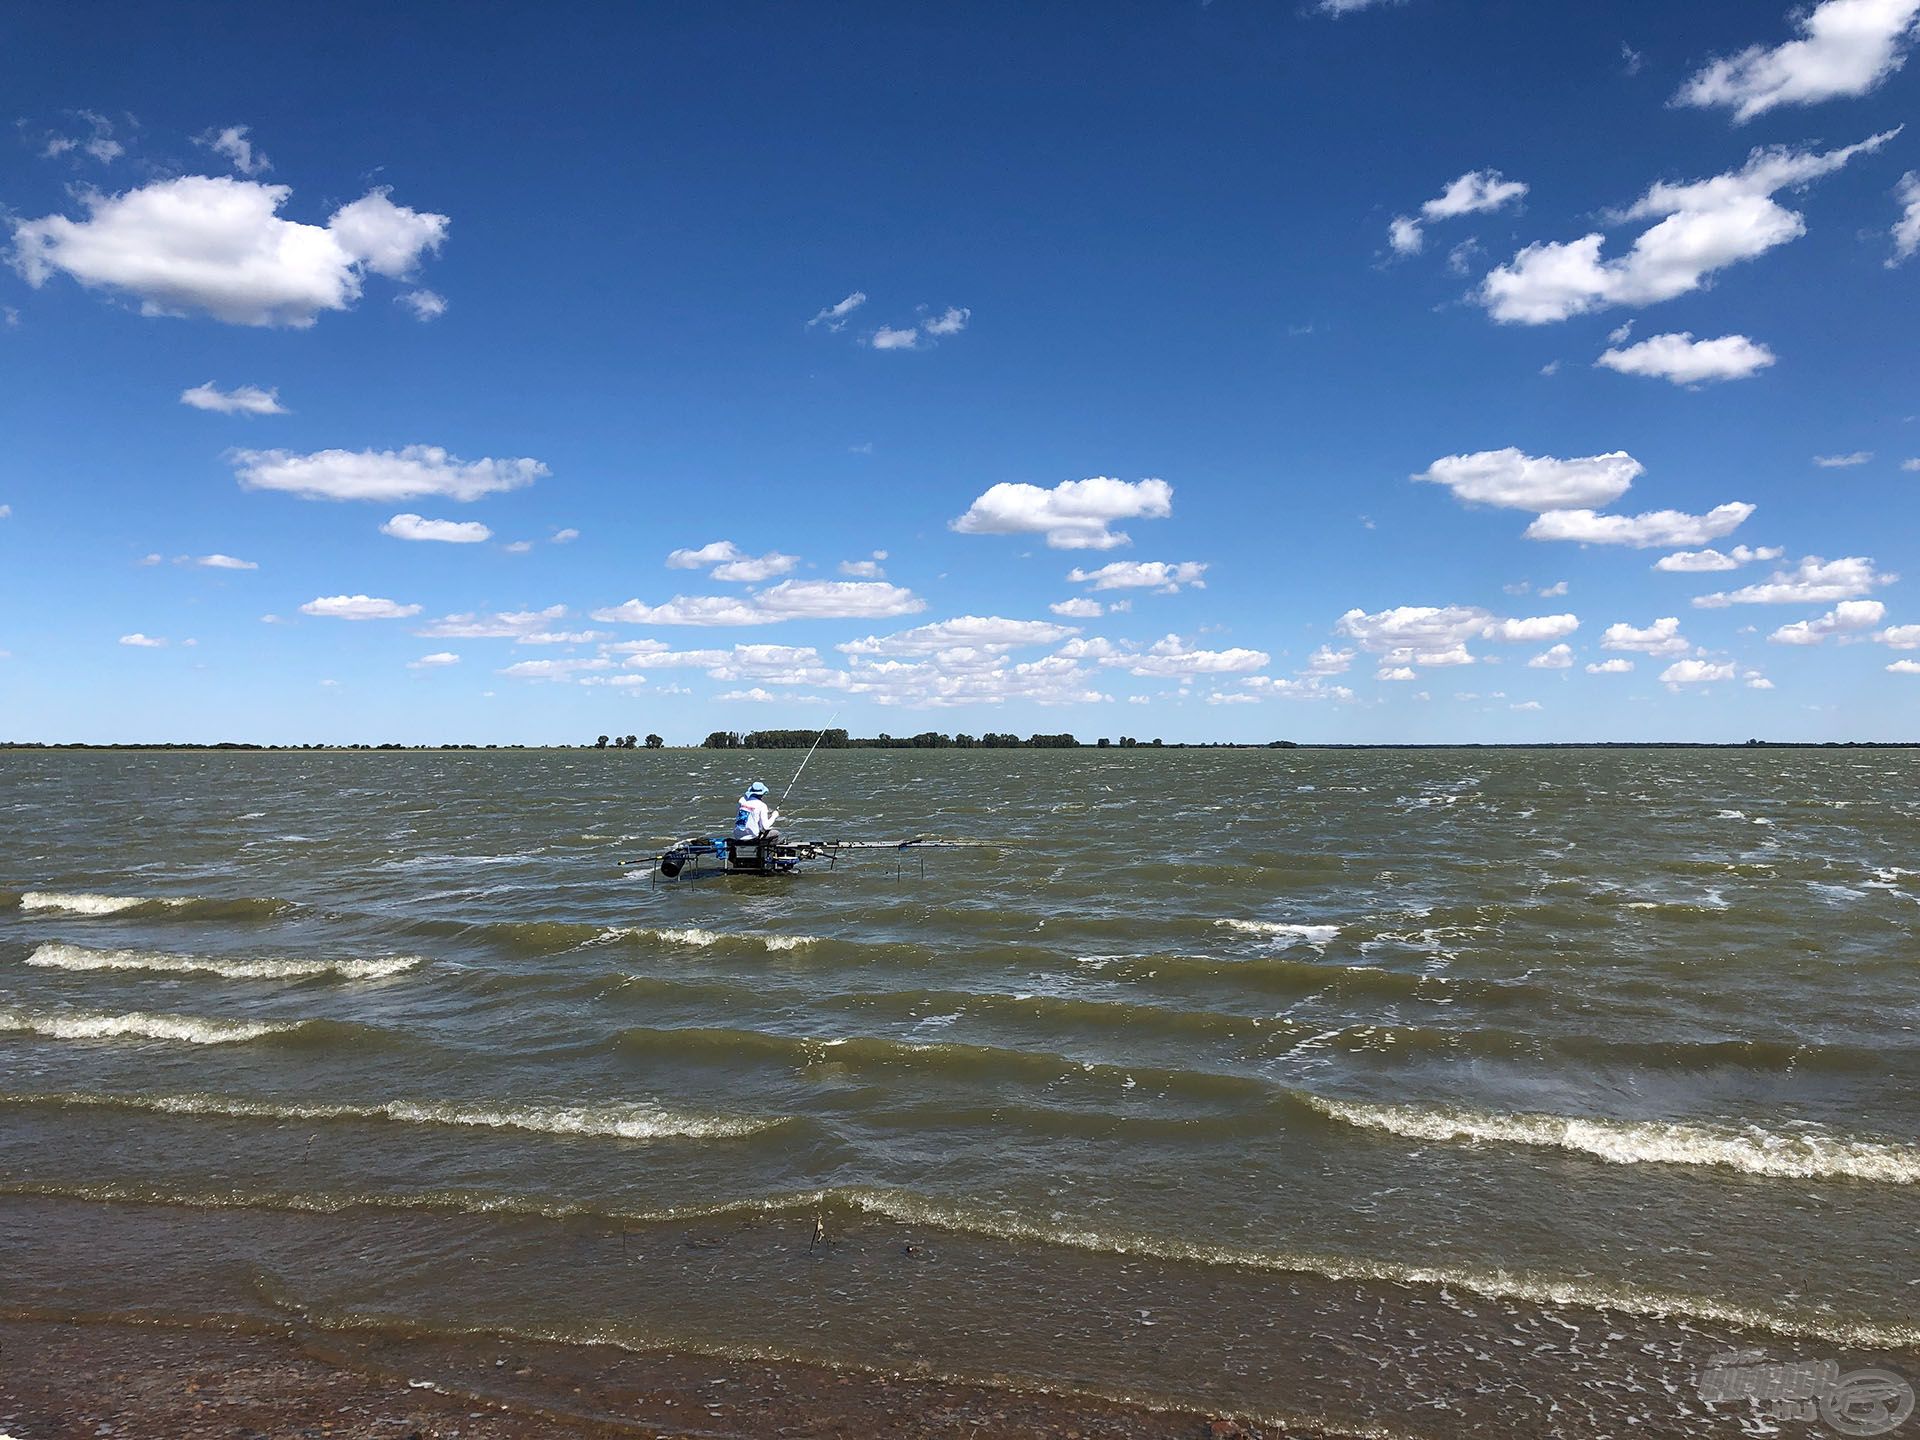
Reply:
x=1399, y=1091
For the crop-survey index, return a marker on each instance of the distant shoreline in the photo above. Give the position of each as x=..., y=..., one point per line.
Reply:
x=246, y=747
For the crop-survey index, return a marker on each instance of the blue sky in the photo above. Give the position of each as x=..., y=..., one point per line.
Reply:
x=1221, y=371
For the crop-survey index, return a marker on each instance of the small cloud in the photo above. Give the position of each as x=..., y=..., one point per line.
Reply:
x=865, y=447
x=564, y=537
x=223, y=562
x=888, y=338
x=1079, y=608
x=451, y=532
x=96, y=141
x=868, y=569
x=834, y=317
x=143, y=642
x=233, y=143
x=1552, y=367
x=1843, y=462
x=434, y=661
x=951, y=322
x=358, y=607
x=241, y=400
x=517, y=547
x=425, y=304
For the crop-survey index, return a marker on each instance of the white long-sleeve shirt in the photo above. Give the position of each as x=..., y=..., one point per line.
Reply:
x=754, y=819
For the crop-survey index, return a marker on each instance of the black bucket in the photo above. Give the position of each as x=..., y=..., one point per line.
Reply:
x=672, y=865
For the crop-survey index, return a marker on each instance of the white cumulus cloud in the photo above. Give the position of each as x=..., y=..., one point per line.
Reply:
x=425, y=304
x=1693, y=562
x=1532, y=629
x=1073, y=515
x=142, y=642
x=1559, y=657
x=216, y=245
x=1654, y=528
x=950, y=321
x=1697, y=672
x=1173, y=658
x=1519, y=481
x=889, y=338
x=789, y=600
x=1900, y=637
x=218, y=561
x=415, y=473
x=519, y=625
x=1846, y=47
x=1079, y=608
x=987, y=632
x=452, y=532
x=241, y=400
x=1700, y=228
x=1610, y=667
x=434, y=661
x=1158, y=575
x=1813, y=582
x=1687, y=361
x=1663, y=637
x=358, y=607
x=1846, y=618
x=1843, y=462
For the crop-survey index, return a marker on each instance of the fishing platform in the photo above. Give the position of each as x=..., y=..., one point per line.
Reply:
x=701, y=857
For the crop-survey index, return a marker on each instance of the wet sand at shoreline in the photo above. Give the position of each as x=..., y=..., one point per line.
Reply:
x=105, y=1377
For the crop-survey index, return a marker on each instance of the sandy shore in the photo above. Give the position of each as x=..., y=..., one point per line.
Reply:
x=108, y=1378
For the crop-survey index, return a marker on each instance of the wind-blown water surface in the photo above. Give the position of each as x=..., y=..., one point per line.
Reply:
x=1406, y=1089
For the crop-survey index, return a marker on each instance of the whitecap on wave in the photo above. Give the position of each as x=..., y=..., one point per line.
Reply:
x=1284, y=933
x=1799, y=1155
x=137, y=1025
x=57, y=956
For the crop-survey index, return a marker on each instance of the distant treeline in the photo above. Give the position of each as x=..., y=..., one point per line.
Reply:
x=925, y=740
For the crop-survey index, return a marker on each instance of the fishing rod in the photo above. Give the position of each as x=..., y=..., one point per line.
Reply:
x=787, y=794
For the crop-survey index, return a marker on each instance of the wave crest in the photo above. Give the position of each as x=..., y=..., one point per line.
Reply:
x=58, y=956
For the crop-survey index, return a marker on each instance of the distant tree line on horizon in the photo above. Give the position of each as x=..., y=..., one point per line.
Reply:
x=925, y=740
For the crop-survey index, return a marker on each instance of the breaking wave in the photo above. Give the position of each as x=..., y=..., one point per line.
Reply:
x=138, y=1025
x=1284, y=933
x=1752, y=1150
x=58, y=956
x=699, y=939
x=631, y=1121
x=850, y=1204
x=82, y=902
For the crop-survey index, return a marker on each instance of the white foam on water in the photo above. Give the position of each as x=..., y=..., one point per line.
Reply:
x=1497, y=1284
x=1803, y=1155
x=699, y=939
x=82, y=902
x=1284, y=933
x=137, y=1025
x=56, y=956
x=633, y=1121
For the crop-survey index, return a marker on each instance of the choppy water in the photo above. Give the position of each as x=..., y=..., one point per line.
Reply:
x=1406, y=1090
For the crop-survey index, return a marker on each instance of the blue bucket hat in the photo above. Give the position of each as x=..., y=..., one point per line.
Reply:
x=756, y=789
